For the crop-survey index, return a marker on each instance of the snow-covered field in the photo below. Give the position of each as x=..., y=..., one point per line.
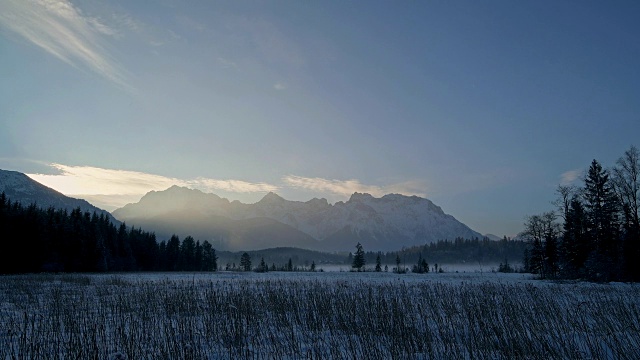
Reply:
x=328, y=315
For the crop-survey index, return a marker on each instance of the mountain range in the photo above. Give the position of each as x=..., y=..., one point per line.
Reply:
x=387, y=223
x=19, y=187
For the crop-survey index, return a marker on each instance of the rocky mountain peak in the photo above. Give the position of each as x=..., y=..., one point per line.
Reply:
x=359, y=197
x=271, y=197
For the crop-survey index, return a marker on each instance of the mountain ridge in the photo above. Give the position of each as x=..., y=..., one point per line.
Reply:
x=21, y=188
x=387, y=223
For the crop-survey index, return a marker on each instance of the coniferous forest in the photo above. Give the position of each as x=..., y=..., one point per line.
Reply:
x=594, y=234
x=36, y=239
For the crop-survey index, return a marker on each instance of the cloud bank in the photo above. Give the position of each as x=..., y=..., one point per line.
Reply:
x=60, y=28
x=348, y=187
x=115, y=188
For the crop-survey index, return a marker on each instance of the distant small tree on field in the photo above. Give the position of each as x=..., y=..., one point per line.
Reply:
x=378, y=264
x=421, y=267
x=358, y=258
x=506, y=267
x=313, y=266
x=245, y=262
x=399, y=270
x=263, y=267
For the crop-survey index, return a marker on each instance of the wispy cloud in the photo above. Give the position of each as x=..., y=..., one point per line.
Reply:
x=62, y=30
x=238, y=186
x=348, y=187
x=569, y=177
x=280, y=86
x=225, y=63
x=121, y=186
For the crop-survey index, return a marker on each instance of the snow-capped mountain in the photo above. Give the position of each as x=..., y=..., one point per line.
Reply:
x=19, y=187
x=379, y=224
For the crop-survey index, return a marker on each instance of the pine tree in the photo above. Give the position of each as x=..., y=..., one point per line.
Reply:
x=263, y=266
x=398, y=270
x=378, y=263
x=602, y=222
x=187, y=254
x=209, y=257
x=173, y=253
x=199, y=254
x=575, y=247
x=245, y=262
x=358, y=258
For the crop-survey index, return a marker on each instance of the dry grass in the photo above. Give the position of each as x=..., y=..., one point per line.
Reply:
x=85, y=317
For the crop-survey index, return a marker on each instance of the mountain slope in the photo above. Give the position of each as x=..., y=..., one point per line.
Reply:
x=19, y=187
x=222, y=232
x=383, y=224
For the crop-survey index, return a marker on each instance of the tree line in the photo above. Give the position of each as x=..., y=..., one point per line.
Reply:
x=594, y=232
x=458, y=250
x=56, y=240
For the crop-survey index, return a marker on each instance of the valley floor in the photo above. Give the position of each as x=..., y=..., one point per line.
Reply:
x=327, y=315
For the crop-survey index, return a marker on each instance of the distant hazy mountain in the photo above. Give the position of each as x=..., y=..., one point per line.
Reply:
x=19, y=187
x=379, y=224
x=493, y=237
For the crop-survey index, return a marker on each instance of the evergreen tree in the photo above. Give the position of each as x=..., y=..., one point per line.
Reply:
x=173, y=253
x=188, y=254
x=421, y=266
x=199, y=256
x=601, y=208
x=245, y=262
x=575, y=246
x=378, y=263
x=358, y=258
x=209, y=257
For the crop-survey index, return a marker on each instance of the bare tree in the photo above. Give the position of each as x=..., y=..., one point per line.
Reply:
x=626, y=184
x=563, y=201
x=543, y=231
x=626, y=180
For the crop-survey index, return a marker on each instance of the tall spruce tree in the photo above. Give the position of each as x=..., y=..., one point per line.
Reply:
x=358, y=258
x=601, y=208
x=245, y=262
x=209, y=257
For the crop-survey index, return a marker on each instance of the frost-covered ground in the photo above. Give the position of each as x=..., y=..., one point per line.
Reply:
x=328, y=315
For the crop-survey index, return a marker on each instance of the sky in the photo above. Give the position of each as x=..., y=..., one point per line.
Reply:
x=483, y=107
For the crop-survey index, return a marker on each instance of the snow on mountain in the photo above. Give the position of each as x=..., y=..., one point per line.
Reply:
x=19, y=187
x=387, y=223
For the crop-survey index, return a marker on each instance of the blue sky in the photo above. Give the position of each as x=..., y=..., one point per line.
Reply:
x=484, y=107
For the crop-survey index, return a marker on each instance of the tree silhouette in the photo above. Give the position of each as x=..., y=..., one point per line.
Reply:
x=358, y=258
x=245, y=262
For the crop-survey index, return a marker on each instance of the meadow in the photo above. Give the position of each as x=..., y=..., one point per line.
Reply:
x=329, y=315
